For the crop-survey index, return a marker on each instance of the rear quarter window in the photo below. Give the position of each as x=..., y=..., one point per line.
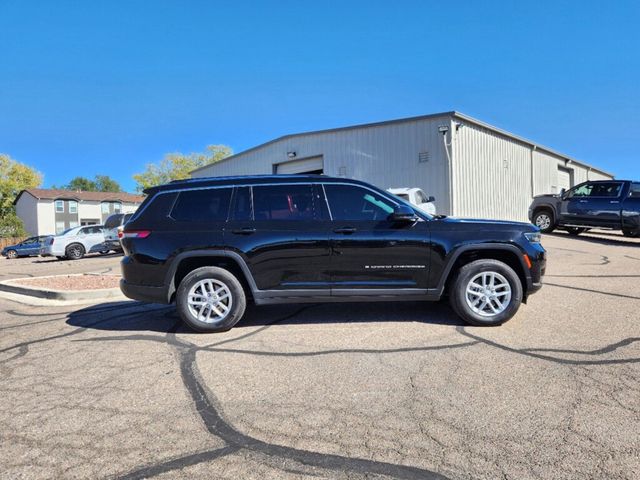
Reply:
x=207, y=205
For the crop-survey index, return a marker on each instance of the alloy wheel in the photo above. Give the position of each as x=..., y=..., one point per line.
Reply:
x=209, y=301
x=488, y=294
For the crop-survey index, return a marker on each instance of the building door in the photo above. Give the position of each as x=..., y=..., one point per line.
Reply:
x=313, y=165
x=564, y=179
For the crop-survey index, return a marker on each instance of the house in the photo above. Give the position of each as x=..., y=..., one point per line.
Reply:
x=51, y=211
x=473, y=169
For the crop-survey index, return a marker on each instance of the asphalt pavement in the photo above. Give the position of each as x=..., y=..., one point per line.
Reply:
x=377, y=390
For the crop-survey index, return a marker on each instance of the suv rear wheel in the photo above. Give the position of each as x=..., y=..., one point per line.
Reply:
x=210, y=299
x=631, y=233
x=486, y=292
x=543, y=219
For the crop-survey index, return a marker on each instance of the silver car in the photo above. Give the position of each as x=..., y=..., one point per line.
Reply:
x=75, y=242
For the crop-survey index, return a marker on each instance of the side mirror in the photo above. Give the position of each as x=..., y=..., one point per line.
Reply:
x=562, y=192
x=403, y=214
x=431, y=199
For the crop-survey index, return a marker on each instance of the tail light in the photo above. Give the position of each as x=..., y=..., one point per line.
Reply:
x=134, y=234
x=50, y=241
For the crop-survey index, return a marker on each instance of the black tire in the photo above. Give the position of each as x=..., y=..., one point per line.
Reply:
x=575, y=231
x=464, y=276
x=631, y=233
x=218, y=276
x=75, y=251
x=544, y=220
x=11, y=254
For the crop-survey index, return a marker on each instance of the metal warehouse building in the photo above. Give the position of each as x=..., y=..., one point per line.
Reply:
x=472, y=169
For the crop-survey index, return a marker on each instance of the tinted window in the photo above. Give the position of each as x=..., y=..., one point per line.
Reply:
x=113, y=221
x=242, y=209
x=606, y=189
x=283, y=202
x=635, y=190
x=349, y=202
x=209, y=205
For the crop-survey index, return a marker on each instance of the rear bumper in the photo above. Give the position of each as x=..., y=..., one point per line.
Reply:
x=144, y=293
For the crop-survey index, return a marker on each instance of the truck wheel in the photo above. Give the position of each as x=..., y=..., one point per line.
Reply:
x=631, y=233
x=210, y=299
x=75, y=251
x=543, y=219
x=486, y=293
x=575, y=231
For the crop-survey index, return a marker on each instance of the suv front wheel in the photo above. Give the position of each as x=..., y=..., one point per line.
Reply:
x=210, y=299
x=486, y=292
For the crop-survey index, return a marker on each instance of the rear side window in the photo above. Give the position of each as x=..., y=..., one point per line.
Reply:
x=242, y=209
x=283, y=202
x=635, y=190
x=208, y=205
x=349, y=202
x=606, y=190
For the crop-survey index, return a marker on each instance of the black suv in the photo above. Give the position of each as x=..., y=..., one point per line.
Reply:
x=213, y=244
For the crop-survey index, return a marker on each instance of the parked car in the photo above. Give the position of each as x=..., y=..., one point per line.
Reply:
x=609, y=204
x=213, y=244
x=29, y=247
x=416, y=197
x=75, y=242
x=111, y=228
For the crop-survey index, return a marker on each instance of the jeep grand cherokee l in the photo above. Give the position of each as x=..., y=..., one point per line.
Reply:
x=213, y=244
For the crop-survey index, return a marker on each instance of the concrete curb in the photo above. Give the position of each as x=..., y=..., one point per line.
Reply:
x=11, y=286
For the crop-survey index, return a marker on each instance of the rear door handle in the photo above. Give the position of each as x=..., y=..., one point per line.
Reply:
x=244, y=231
x=583, y=201
x=346, y=230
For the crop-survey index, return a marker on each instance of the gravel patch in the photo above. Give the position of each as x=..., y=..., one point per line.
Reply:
x=71, y=282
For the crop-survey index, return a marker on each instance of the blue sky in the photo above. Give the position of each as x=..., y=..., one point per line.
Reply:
x=105, y=87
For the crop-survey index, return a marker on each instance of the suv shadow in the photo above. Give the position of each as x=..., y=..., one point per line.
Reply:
x=141, y=317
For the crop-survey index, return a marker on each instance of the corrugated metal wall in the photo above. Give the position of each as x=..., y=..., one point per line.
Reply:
x=384, y=155
x=491, y=175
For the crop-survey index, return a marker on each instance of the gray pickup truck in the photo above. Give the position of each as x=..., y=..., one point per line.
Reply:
x=610, y=204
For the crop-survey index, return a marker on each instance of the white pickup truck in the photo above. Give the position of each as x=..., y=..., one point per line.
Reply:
x=417, y=197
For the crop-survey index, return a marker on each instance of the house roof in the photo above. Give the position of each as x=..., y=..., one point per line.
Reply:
x=451, y=114
x=53, y=194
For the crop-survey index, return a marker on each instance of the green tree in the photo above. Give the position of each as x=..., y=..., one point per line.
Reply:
x=178, y=166
x=100, y=183
x=82, y=184
x=14, y=177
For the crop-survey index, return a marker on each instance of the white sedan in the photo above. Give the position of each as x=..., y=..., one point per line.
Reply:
x=75, y=242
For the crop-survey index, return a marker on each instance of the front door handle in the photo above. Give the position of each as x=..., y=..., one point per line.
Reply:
x=346, y=230
x=583, y=201
x=614, y=201
x=244, y=231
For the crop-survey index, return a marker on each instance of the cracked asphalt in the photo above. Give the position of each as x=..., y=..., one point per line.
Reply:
x=404, y=390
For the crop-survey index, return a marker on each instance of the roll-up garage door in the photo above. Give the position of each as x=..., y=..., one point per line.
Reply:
x=564, y=179
x=304, y=165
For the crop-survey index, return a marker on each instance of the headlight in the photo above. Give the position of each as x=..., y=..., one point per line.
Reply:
x=533, y=237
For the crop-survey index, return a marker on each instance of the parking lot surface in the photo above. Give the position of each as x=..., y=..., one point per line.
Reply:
x=404, y=390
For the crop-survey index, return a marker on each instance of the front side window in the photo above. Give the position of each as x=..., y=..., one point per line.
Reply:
x=581, y=191
x=59, y=206
x=73, y=206
x=208, y=205
x=283, y=202
x=350, y=202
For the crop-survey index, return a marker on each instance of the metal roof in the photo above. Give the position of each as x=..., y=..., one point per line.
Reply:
x=449, y=114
